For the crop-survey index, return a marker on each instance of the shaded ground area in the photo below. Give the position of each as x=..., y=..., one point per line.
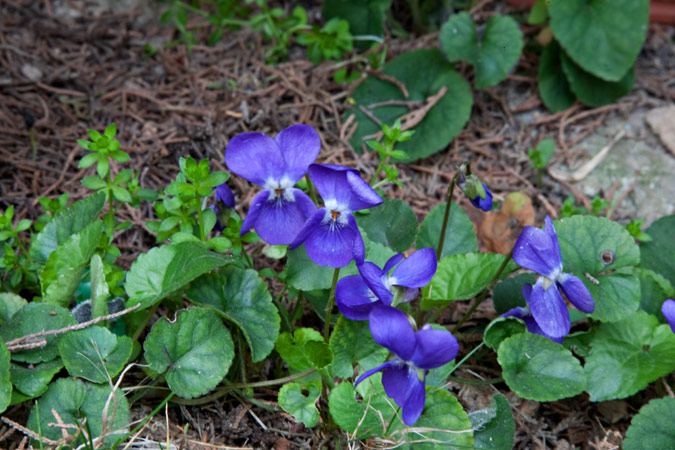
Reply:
x=64, y=70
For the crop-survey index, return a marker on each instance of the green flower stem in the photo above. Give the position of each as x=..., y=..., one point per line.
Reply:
x=311, y=189
x=242, y=357
x=202, y=235
x=329, y=306
x=225, y=389
x=391, y=421
x=377, y=172
x=448, y=205
x=111, y=211
x=483, y=295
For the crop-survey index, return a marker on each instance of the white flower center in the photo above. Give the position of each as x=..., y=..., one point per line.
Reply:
x=335, y=213
x=280, y=190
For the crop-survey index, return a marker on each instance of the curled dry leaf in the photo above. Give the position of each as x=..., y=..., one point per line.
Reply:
x=499, y=230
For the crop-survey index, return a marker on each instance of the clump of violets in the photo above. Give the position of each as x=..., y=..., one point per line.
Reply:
x=279, y=211
x=330, y=235
x=477, y=192
x=538, y=250
x=415, y=352
x=668, y=311
x=356, y=294
x=526, y=315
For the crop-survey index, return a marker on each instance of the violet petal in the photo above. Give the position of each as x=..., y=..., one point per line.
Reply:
x=255, y=157
x=279, y=220
x=434, y=348
x=300, y=145
x=308, y=228
x=373, y=371
x=668, y=311
x=225, y=195
x=354, y=298
x=390, y=328
x=254, y=211
x=549, y=310
x=374, y=278
x=416, y=270
x=576, y=292
x=536, y=251
x=331, y=244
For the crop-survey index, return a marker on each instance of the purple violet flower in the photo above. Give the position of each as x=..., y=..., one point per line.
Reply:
x=331, y=235
x=539, y=251
x=477, y=192
x=526, y=316
x=668, y=311
x=356, y=294
x=224, y=194
x=415, y=352
x=280, y=210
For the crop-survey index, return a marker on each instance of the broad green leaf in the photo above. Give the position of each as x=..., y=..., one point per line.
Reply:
x=33, y=381
x=351, y=342
x=242, y=297
x=554, y=89
x=195, y=350
x=393, y=224
x=63, y=271
x=538, y=369
x=602, y=36
x=652, y=428
x=502, y=328
x=303, y=349
x=596, y=246
x=440, y=125
x=508, y=293
x=442, y=426
x=301, y=406
x=495, y=427
x=364, y=418
x=654, y=290
x=66, y=223
x=628, y=355
x=493, y=56
x=9, y=305
x=75, y=401
x=659, y=254
x=117, y=418
x=5, y=379
x=594, y=91
x=365, y=17
x=460, y=235
x=65, y=396
x=163, y=270
x=461, y=277
x=99, y=288
x=94, y=353
x=34, y=318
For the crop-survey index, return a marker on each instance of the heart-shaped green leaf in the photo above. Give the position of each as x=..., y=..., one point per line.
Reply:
x=654, y=290
x=508, y=293
x=300, y=405
x=163, y=270
x=94, y=353
x=5, y=378
x=304, y=349
x=652, y=428
x=602, y=36
x=64, y=224
x=628, y=355
x=440, y=124
x=493, y=56
x=605, y=251
x=351, y=342
x=460, y=235
x=196, y=351
x=461, y=277
x=659, y=254
x=241, y=296
x=554, y=89
x=364, y=418
x=32, y=381
x=365, y=17
x=538, y=369
x=63, y=271
x=591, y=90
x=34, y=318
x=494, y=425
x=10, y=304
x=393, y=224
